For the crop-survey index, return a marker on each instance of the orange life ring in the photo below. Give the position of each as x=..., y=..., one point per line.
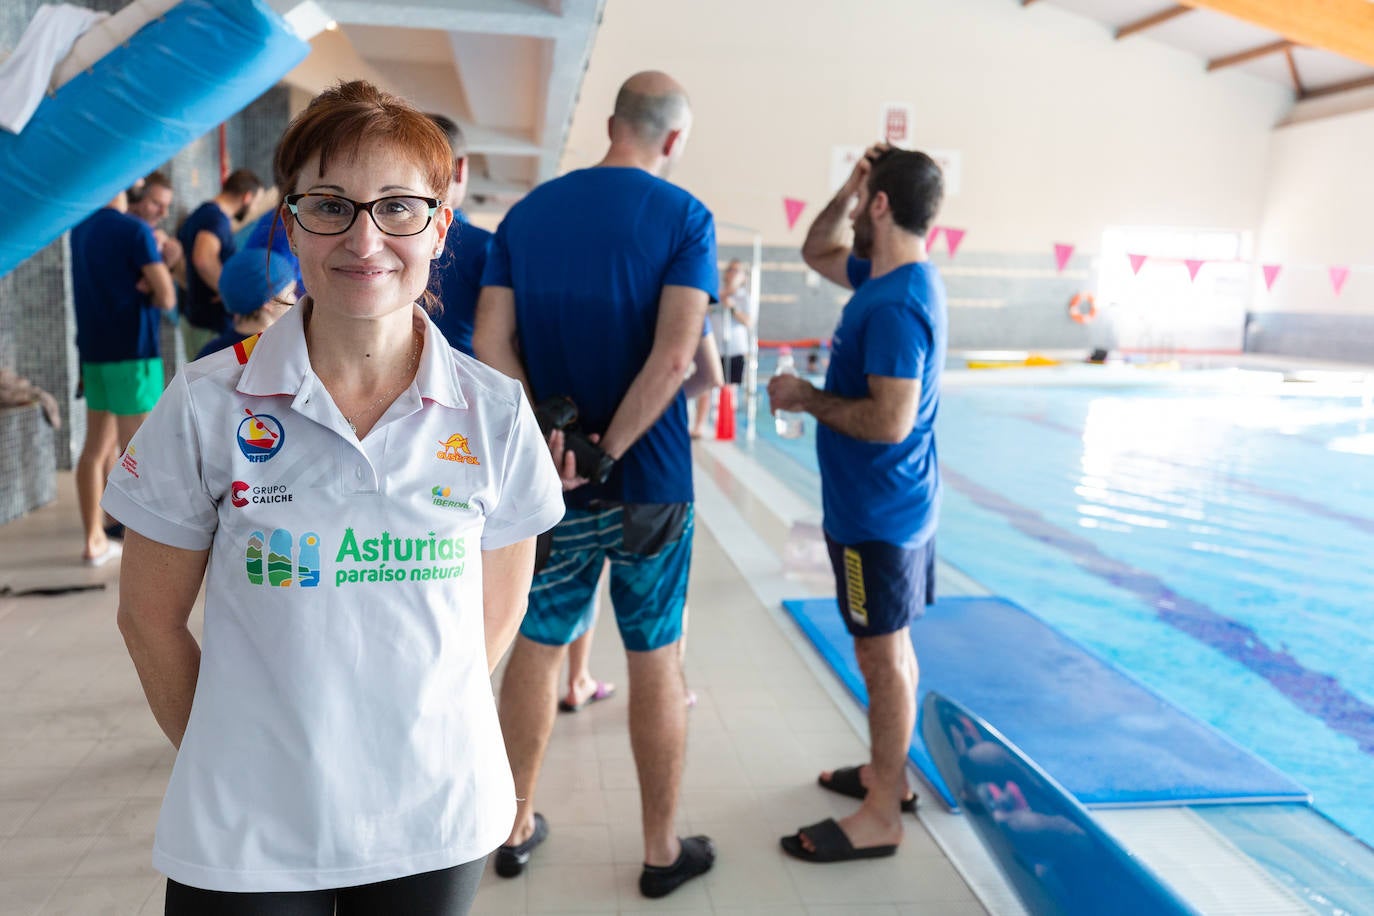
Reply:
x=1083, y=308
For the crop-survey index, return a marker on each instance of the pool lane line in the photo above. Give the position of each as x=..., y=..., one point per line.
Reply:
x=1319, y=695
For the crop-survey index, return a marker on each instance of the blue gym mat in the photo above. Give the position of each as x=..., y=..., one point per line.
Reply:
x=1104, y=737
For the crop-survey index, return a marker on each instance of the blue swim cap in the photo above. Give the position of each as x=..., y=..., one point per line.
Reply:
x=250, y=278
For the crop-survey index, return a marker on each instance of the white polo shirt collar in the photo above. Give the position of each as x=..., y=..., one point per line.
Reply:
x=280, y=365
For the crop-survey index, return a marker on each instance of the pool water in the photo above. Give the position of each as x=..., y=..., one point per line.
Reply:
x=1215, y=542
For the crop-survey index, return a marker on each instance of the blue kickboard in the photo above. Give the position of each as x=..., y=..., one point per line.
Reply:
x=1106, y=738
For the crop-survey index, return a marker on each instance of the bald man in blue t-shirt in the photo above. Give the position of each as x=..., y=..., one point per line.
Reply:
x=596, y=288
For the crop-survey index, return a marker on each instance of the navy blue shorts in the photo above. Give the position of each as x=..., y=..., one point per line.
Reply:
x=881, y=587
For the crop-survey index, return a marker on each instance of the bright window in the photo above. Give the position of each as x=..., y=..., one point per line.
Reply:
x=1160, y=310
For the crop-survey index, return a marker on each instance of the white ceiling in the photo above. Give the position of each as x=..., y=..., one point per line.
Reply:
x=508, y=71
x=1210, y=35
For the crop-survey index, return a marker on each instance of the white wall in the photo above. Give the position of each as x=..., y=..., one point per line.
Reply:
x=1319, y=211
x=1062, y=130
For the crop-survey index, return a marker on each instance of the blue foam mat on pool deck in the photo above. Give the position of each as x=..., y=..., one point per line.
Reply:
x=1103, y=736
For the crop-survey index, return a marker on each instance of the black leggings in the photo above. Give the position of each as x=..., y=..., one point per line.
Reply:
x=447, y=892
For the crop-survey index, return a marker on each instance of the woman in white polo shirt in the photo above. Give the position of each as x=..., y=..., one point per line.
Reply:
x=361, y=503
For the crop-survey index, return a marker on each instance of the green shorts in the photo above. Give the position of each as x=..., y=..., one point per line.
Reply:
x=123, y=388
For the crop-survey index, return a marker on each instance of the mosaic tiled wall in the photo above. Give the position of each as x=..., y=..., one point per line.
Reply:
x=26, y=440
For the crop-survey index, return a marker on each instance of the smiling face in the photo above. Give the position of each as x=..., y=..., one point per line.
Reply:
x=365, y=273
x=154, y=205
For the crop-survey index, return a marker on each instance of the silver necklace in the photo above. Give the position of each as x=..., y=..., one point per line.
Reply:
x=410, y=374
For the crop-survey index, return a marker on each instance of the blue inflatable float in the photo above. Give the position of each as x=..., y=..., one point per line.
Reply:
x=175, y=79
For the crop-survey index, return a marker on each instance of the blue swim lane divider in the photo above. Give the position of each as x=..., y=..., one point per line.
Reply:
x=1107, y=739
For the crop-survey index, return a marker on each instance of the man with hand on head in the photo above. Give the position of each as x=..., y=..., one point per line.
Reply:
x=596, y=289
x=880, y=482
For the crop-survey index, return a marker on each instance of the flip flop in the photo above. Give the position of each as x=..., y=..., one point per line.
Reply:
x=697, y=856
x=603, y=691
x=511, y=860
x=111, y=552
x=831, y=845
x=846, y=782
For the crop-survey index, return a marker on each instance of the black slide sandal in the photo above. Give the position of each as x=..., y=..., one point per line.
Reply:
x=831, y=845
x=846, y=782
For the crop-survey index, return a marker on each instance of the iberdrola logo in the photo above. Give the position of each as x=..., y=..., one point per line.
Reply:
x=275, y=566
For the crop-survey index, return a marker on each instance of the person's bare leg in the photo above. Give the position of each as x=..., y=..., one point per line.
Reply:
x=125, y=427
x=581, y=684
x=90, y=479
x=703, y=411
x=888, y=664
x=658, y=737
x=689, y=697
x=529, y=697
x=111, y=457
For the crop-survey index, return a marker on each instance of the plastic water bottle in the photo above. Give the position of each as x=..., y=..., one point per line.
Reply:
x=787, y=422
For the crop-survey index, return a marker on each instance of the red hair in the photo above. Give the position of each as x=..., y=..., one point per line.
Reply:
x=348, y=116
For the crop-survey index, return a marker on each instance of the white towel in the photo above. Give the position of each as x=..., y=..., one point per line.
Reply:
x=47, y=40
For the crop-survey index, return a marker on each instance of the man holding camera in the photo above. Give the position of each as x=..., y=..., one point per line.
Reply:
x=595, y=292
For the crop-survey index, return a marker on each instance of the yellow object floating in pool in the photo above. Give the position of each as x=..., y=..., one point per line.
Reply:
x=1034, y=359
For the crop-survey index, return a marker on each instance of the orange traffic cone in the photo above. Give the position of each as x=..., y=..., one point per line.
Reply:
x=725, y=414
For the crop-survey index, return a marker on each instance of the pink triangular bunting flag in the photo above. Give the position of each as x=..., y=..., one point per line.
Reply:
x=1338, y=277
x=1062, y=253
x=953, y=239
x=1271, y=273
x=1137, y=262
x=1194, y=265
x=931, y=236
x=794, y=210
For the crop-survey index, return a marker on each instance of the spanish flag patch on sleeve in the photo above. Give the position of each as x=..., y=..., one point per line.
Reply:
x=244, y=348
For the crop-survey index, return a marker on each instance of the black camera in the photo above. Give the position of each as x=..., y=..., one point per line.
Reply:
x=560, y=412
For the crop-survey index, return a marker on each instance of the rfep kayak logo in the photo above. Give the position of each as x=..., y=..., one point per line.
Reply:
x=260, y=436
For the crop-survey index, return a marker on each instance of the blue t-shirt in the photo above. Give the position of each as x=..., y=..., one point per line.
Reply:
x=894, y=326
x=202, y=306
x=269, y=232
x=114, y=321
x=588, y=255
x=457, y=279
x=222, y=342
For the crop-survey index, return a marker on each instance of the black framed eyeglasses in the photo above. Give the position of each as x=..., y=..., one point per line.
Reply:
x=329, y=214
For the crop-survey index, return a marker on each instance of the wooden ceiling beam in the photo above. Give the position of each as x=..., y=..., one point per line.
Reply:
x=1151, y=21
x=1242, y=57
x=1344, y=27
x=1293, y=71
x=1318, y=92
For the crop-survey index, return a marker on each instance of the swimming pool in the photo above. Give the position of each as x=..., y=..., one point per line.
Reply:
x=1210, y=533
